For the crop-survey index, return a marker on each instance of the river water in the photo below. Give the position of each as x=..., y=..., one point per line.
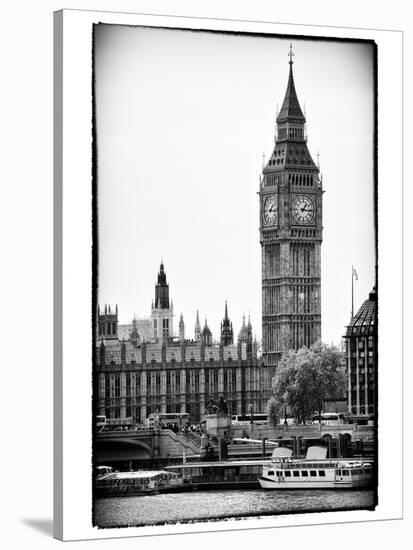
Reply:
x=211, y=505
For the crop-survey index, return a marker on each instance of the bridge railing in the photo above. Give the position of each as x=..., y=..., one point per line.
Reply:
x=195, y=438
x=185, y=441
x=312, y=431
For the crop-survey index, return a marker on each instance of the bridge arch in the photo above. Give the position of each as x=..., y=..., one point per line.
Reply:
x=122, y=449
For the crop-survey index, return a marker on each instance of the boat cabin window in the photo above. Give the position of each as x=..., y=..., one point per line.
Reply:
x=345, y=472
x=287, y=473
x=278, y=474
x=313, y=473
x=321, y=473
x=304, y=473
x=270, y=472
x=296, y=473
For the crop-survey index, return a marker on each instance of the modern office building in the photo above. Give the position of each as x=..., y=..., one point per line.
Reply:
x=361, y=353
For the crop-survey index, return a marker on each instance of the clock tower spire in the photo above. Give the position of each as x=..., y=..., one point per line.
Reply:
x=290, y=236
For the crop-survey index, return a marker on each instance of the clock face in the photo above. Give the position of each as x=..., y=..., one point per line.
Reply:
x=303, y=209
x=270, y=210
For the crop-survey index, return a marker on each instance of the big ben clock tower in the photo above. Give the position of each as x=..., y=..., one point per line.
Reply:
x=290, y=236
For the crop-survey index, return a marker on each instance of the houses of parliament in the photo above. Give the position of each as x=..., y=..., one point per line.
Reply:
x=149, y=368
x=175, y=374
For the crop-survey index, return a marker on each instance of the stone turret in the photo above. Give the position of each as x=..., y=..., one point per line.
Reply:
x=227, y=333
x=107, y=328
x=134, y=337
x=181, y=328
x=162, y=312
x=197, y=328
x=206, y=335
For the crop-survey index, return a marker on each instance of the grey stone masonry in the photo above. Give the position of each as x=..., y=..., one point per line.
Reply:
x=290, y=235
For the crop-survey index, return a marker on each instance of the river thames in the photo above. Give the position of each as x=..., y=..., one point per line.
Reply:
x=214, y=505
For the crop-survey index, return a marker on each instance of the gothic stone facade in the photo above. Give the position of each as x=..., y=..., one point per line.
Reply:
x=177, y=377
x=136, y=378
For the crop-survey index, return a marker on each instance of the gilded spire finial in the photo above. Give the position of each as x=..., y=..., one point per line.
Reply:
x=291, y=55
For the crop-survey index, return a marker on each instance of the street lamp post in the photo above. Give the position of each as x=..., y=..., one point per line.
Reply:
x=264, y=439
x=251, y=419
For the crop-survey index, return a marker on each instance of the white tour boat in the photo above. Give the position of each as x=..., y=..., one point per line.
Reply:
x=314, y=472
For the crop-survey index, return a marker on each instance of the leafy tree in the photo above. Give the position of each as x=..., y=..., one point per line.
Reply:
x=273, y=411
x=306, y=378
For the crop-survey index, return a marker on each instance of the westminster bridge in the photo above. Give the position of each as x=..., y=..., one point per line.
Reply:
x=156, y=443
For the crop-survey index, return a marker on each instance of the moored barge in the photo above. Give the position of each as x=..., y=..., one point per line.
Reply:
x=137, y=483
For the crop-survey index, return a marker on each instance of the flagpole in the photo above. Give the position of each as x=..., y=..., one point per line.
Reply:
x=352, y=292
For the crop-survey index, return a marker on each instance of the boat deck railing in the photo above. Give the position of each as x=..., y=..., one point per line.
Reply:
x=303, y=464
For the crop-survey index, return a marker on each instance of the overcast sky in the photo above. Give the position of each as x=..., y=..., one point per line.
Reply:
x=183, y=119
